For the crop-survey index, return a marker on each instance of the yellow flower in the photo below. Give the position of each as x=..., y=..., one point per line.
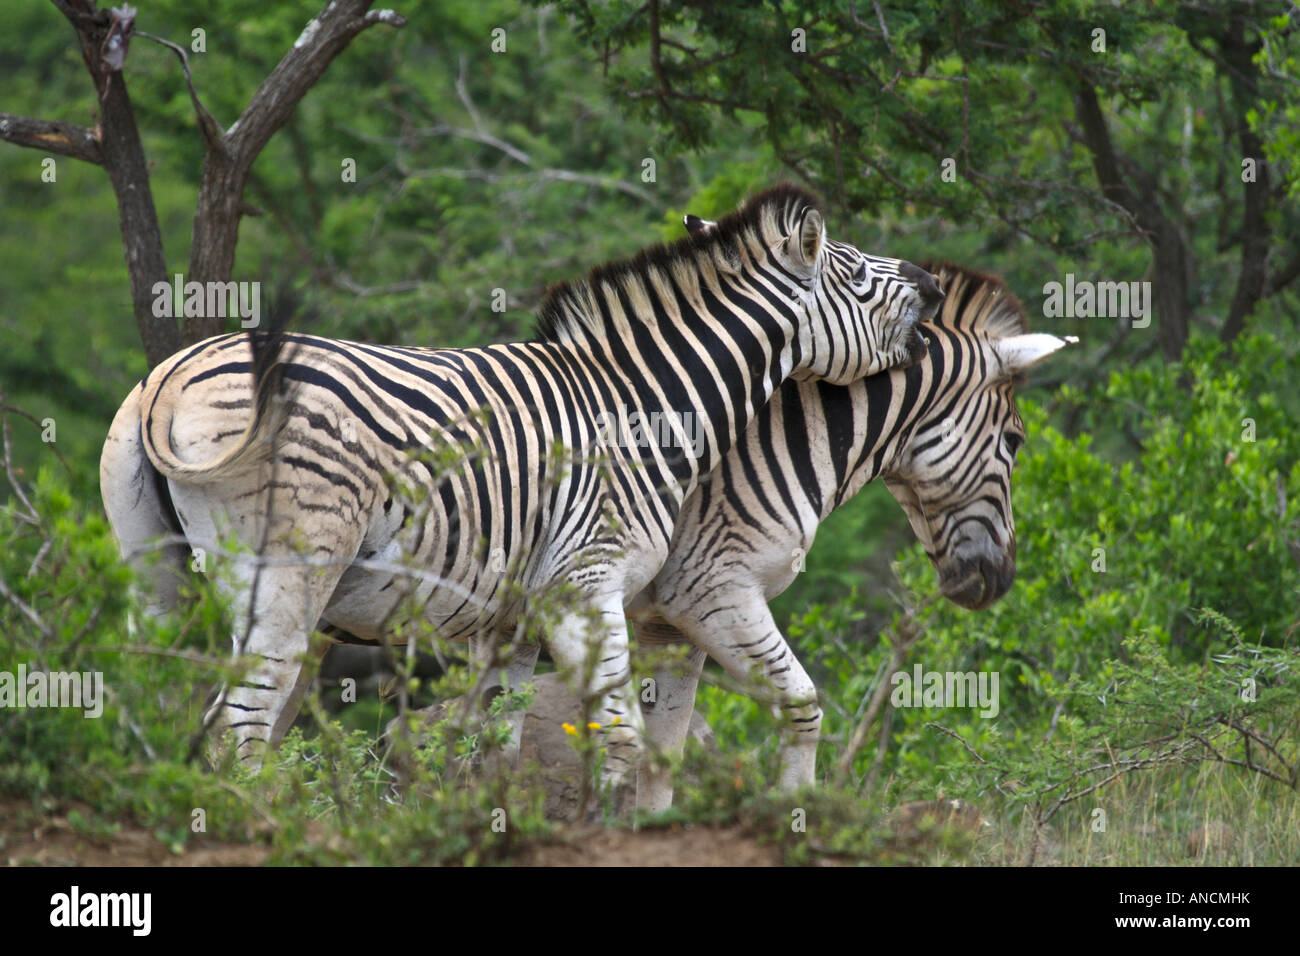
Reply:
x=569, y=729
x=617, y=721
x=593, y=726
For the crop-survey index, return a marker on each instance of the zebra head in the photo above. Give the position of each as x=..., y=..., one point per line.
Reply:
x=952, y=470
x=862, y=311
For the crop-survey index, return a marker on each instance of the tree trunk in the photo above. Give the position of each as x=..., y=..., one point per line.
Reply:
x=1169, y=290
x=1243, y=77
x=1172, y=271
x=128, y=171
x=141, y=237
x=228, y=162
x=114, y=143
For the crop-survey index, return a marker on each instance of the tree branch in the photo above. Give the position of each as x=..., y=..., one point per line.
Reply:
x=104, y=36
x=52, y=136
x=226, y=170
x=208, y=126
x=1285, y=275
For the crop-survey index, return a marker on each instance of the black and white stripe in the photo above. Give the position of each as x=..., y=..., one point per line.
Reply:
x=942, y=433
x=507, y=483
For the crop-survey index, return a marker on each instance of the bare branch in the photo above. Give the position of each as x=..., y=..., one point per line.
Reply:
x=35, y=421
x=545, y=174
x=103, y=36
x=52, y=136
x=208, y=126
x=26, y=610
x=462, y=90
x=324, y=38
x=32, y=516
x=905, y=635
x=480, y=136
x=226, y=170
x=1285, y=275
x=884, y=30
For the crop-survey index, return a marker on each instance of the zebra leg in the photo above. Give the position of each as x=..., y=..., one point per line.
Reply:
x=741, y=635
x=135, y=500
x=520, y=662
x=597, y=668
x=668, y=717
x=257, y=710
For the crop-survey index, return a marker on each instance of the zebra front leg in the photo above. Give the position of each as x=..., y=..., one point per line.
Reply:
x=738, y=631
x=519, y=664
x=667, y=717
x=593, y=657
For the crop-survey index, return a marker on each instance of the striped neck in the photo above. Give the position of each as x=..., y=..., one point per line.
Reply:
x=870, y=422
x=702, y=332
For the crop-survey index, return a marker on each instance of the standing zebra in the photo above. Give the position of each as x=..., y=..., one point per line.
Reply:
x=942, y=433
x=709, y=326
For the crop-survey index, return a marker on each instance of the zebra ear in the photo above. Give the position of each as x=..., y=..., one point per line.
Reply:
x=1019, y=352
x=697, y=226
x=805, y=245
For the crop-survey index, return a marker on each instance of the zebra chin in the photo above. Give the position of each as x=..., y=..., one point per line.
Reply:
x=976, y=582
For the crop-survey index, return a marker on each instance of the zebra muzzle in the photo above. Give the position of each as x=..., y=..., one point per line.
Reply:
x=977, y=582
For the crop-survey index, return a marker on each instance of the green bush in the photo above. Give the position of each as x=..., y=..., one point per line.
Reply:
x=69, y=606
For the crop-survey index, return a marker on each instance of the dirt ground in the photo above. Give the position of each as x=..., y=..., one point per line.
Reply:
x=674, y=846
x=31, y=838
x=34, y=836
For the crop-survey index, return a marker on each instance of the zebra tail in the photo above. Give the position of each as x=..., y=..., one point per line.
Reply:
x=257, y=443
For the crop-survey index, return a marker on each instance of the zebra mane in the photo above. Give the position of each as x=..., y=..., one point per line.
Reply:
x=570, y=310
x=977, y=302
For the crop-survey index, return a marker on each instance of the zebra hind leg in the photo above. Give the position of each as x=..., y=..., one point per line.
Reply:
x=138, y=503
x=667, y=717
x=507, y=677
x=254, y=712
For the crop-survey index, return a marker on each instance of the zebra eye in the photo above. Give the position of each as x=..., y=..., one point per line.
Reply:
x=860, y=274
x=1014, y=442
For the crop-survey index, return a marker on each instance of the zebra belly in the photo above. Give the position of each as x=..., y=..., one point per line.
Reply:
x=384, y=591
x=388, y=589
x=716, y=554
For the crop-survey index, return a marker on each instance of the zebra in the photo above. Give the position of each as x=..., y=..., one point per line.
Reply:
x=298, y=465
x=943, y=434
